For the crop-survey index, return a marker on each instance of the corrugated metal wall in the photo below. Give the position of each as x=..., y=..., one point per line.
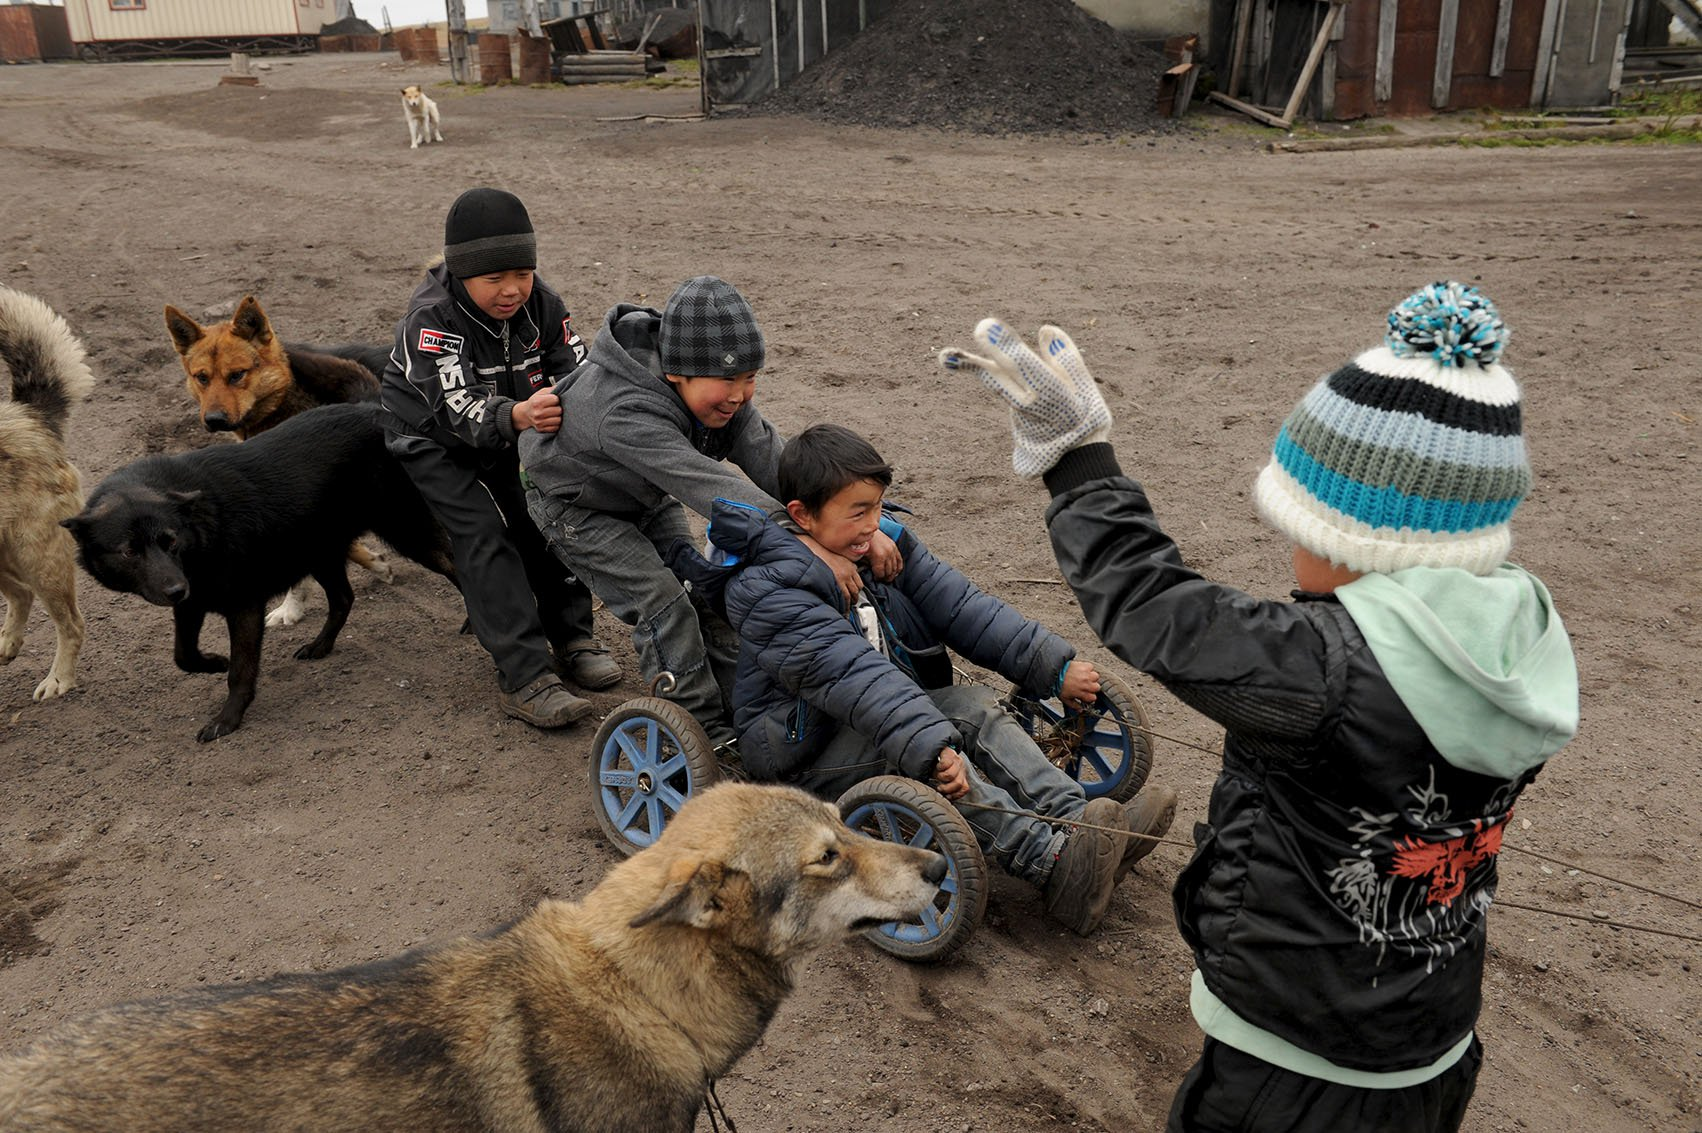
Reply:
x=750, y=47
x=93, y=20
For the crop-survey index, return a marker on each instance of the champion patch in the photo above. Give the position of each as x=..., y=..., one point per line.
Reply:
x=437, y=342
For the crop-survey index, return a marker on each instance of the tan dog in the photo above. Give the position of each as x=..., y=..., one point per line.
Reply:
x=612, y=1015
x=246, y=380
x=421, y=112
x=39, y=486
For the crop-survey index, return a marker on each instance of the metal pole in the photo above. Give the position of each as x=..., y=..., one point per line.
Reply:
x=702, y=65
x=458, y=40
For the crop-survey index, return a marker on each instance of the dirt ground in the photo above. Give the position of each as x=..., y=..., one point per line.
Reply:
x=378, y=800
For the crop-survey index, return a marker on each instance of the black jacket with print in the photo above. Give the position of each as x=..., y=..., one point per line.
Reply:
x=455, y=372
x=1340, y=888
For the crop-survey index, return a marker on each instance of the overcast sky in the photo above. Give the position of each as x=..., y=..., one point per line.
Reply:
x=405, y=12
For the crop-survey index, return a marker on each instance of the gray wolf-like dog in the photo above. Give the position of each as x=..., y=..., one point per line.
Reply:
x=609, y=1015
x=39, y=486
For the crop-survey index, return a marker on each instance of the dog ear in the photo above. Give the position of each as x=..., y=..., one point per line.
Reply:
x=250, y=322
x=185, y=331
x=692, y=895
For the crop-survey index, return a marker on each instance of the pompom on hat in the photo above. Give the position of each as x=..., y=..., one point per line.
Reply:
x=1413, y=453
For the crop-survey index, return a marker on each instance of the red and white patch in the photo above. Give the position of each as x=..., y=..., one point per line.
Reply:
x=437, y=342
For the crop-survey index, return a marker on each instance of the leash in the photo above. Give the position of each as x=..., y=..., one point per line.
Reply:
x=717, y=1112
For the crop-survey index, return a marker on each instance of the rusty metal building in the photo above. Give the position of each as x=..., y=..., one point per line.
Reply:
x=31, y=32
x=1414, y=57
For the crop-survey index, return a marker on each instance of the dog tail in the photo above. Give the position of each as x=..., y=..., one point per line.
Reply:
x=47, y=362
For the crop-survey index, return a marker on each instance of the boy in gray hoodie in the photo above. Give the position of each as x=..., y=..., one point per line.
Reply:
x=1378, y=728
x=650, y=423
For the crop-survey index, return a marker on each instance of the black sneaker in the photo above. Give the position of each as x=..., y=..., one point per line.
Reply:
x=1079, y=891
x=545, y=703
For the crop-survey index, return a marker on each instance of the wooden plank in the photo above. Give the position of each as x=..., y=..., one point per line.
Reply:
x=1385, y=83
x=1238, y=47
x=1312, y=59
x=1327, y=83
x=1248, y=109
x=1443, y=81
x=1551, y=13
x=1503, y=29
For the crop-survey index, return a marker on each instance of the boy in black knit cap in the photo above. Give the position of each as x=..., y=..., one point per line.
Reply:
x=483, y=342
x=647, y=423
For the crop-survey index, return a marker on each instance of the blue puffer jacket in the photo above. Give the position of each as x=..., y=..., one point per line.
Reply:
x=806, y=670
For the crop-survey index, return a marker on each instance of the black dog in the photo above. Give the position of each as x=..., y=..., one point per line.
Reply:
x=223, y=529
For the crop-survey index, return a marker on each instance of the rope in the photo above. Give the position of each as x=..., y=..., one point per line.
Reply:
x=1605, y=877
x=1500, y=904
x=1118, y=830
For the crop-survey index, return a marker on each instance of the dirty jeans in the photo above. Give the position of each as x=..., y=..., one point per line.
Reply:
x=1006, y=771
x=621, y=561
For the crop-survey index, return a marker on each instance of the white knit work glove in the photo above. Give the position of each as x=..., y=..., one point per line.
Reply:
x=1055, y=405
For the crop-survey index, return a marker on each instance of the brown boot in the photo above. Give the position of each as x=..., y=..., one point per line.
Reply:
x=587, y=665
x=1079, y=891
x=1149, y=813
x=545, y=703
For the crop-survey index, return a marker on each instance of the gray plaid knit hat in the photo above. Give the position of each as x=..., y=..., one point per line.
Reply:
x=488, y=230
x=709, y=331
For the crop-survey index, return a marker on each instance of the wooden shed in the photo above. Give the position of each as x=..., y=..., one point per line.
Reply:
x=129, y=29
x=30, y=32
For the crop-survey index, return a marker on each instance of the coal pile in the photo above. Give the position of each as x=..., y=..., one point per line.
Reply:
x=987, y=67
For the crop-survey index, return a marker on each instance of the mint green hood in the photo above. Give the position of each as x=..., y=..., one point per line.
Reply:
x=1481, y=661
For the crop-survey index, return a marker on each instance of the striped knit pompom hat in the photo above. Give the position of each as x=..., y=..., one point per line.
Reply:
x=1411, y=454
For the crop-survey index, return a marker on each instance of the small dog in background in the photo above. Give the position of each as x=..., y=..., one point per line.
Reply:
x=422, y=117
x=39, y=485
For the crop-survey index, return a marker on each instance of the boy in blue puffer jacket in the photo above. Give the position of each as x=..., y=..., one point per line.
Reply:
x=1378, y=729
x=828, y=694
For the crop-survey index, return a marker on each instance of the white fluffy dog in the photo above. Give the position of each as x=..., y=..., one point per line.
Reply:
x=422, y=117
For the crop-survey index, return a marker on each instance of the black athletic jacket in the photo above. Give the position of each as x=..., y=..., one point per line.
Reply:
x=1337, y=895
x=455, y=372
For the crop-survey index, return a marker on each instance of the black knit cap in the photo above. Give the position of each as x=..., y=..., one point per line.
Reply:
x=488, y=230
x=709, y=331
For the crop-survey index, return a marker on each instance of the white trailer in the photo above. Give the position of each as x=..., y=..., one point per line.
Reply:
x=133, y=29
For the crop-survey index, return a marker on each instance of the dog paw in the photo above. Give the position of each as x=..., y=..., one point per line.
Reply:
x=54, y=686
x=380, y=567
x=9, y=646
x=203, y=663
x=216, y=727
x=288, y=613
x=313, y=651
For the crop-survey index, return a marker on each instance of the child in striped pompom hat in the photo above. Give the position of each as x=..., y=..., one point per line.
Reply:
x=1378, y=728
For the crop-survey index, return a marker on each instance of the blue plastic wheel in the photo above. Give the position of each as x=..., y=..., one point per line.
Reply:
x=1107, y=748
x=896, y=809
x=647, y=759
